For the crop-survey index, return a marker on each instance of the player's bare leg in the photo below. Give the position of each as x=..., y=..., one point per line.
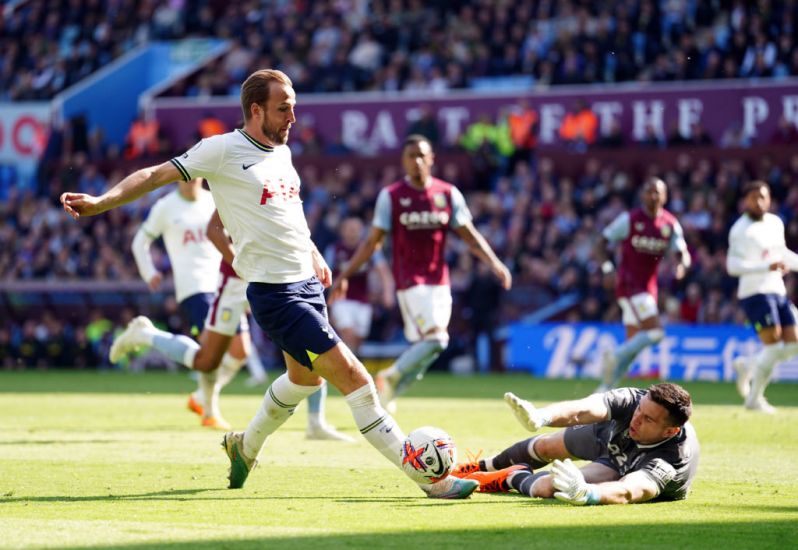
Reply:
x=219, y=359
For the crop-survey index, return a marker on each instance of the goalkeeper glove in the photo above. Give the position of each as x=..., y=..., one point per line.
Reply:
x=571, y=485
x=530, y=418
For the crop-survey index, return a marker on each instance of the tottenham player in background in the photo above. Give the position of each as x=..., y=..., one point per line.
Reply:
x=645, y=234
x=256, y=190
x=181, y=218
x=418, y=212
x=759, y=256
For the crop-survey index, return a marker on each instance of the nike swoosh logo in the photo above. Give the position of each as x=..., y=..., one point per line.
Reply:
x=248, y=166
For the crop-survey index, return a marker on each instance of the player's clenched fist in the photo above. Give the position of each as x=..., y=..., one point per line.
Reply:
x=79, y=204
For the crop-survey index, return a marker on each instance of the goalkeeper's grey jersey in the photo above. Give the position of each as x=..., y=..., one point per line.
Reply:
x=672, y=463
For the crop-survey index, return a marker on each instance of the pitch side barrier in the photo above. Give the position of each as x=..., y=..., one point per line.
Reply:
x=688, y=352
x=375, y=122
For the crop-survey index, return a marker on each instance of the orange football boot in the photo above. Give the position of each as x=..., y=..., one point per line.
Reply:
x=495, y=482
x=194, y=406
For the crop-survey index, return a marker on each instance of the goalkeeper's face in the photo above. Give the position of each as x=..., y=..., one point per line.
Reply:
x=651, y=423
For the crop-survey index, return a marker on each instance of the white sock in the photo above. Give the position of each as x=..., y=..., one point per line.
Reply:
x=377, y=426
x=764, y=362
x=209, y=386
x=228, y=368
x=278, y=405
x=788, y=351
x=316, y=407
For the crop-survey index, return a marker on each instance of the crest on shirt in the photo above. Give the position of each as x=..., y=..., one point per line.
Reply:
x=405, y=201
x=439, y=200
x=639, y=226
x=666, y=231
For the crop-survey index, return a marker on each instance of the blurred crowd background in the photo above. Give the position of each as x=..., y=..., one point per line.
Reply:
x=541, y=215
x=391, y=45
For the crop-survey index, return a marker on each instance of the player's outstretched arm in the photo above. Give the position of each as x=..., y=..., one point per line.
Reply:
x=129, y=189
x=589, y=410
x=481, y=249
x=573, y=489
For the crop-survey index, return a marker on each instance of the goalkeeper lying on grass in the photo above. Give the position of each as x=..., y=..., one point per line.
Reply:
x=639, y=443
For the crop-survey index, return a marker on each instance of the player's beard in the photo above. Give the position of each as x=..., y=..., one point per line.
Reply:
x=274, y=135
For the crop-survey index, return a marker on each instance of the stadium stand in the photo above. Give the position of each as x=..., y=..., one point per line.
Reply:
x=540, y=211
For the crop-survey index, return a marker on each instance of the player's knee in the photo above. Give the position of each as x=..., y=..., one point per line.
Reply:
x=546, y=447
x=656, y=334
x=438, y=340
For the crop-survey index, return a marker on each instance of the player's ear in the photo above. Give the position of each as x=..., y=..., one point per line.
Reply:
x=255, y=110
x=671, y=431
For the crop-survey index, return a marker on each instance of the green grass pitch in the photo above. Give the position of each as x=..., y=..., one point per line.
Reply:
x=114, y=460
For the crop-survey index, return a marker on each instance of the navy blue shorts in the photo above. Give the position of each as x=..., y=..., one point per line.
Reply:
x=294, y=315
x=195, y=310
x=768, y=310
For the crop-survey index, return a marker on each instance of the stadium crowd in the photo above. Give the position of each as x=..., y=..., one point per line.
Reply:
x=393, y=45
x=542, y=223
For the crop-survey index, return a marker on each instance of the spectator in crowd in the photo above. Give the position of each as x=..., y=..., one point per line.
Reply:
x=143, y=138
x=579, y=128
x=425, y=124
x=210, y=125
x=523, y=121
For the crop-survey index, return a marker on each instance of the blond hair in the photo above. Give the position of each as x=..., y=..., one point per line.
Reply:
x=255, y=88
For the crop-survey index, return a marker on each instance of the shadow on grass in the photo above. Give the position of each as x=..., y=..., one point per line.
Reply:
x=769, y=534
x=59, y=441
x=223, y=495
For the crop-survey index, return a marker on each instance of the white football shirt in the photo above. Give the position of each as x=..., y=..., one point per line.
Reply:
x=753, y=246
x=182, y=224
x=256, y=190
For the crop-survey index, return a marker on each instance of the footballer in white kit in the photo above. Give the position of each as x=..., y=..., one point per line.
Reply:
x=256, y=191
x=759, y=256
x=180, y=218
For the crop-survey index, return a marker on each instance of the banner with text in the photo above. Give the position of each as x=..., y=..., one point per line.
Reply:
x=373, y=123
x=688, y=352
x=24, y=128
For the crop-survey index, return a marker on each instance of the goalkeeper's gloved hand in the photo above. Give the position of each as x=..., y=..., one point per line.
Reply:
x=571, y=485
x=530, y=418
